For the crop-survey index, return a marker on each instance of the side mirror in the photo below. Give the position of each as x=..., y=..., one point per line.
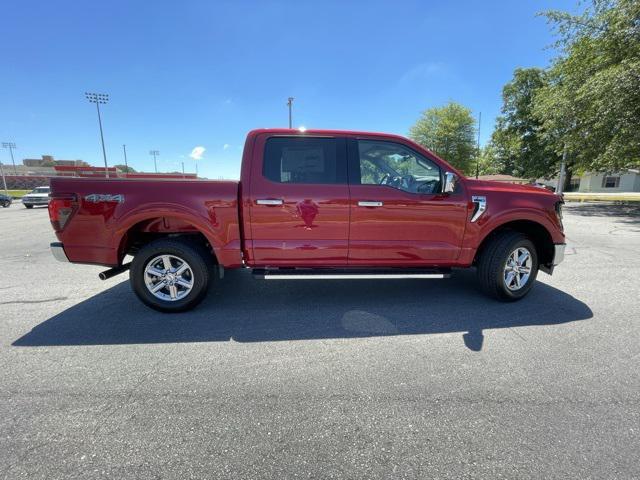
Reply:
x=450, y=181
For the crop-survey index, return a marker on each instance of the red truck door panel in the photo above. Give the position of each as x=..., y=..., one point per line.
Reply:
x=299, y=201
x=398, y=215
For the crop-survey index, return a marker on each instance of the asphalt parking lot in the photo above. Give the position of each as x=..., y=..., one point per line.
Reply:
x=323, y=379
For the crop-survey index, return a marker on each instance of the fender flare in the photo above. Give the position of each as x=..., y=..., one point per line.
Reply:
x=201, y=222
x=518, y=214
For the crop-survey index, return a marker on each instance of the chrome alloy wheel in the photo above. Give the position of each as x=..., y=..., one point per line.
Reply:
x=517, y=270
x=168, y=278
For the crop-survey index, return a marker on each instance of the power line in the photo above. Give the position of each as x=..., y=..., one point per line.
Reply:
x=124, y=149
x=155, y=153
x=290, y=105
x=11, y=146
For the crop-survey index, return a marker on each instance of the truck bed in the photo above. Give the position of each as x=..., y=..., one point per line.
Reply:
x=108, y=212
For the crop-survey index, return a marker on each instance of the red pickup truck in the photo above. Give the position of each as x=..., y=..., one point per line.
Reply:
x=314, y=204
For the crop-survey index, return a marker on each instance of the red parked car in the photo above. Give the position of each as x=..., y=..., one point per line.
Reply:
x=314, y=204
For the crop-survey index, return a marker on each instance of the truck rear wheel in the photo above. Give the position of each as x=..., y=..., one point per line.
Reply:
x=508, y=266
x=171, y=275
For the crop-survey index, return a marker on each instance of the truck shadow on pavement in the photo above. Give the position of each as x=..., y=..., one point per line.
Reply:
x=242, y=309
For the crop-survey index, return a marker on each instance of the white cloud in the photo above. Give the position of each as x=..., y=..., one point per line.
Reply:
x=422, y=71
x=197, y=153
x=225, y=146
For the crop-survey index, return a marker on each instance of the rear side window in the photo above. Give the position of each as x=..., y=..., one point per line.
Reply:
x=305, y=160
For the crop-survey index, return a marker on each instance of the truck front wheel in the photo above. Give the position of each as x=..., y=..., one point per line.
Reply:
x=508, y=266
x=170, y=275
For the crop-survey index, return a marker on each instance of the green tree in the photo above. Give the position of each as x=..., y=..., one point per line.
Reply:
x=521, y=148
x=591, y=104
x=505, y=148
x=125, y=169
x=449, y=132
x=489, y=163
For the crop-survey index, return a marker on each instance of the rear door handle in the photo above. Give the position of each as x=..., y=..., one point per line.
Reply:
x=270, y=201
x=368, y=203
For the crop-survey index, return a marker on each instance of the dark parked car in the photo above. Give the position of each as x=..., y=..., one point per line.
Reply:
x=5, y=200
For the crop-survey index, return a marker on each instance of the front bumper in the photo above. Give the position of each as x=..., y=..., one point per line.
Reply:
x=57, y=250
x=558, y=258
x=35, y=201
x=558, y=254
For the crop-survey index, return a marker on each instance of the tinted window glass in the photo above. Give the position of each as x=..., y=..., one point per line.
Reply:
x=393, y=165
x=304, y=160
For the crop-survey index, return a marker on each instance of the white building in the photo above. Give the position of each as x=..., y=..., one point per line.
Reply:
x=610, y=182
x=596, y=182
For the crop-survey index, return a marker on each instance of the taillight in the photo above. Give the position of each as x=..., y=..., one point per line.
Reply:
x=60, y=210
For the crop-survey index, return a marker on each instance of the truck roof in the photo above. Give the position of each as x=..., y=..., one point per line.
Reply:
x=301, y=131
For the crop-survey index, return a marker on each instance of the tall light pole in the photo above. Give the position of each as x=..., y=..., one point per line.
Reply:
x=563, y=171
x=99, y=98
x=290, y=105
x=11, y=146
x=155, y=153
x=124, y=149
x=478, y=155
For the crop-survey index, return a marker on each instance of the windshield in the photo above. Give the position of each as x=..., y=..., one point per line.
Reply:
x=41, y=190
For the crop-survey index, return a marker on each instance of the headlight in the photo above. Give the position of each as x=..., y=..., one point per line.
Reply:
x=559, y=213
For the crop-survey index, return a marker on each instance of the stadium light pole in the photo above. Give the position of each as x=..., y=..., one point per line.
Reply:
x=126, y=165
x=11, y=146
x=155, y=153
x=99, y=98
x=290, y=105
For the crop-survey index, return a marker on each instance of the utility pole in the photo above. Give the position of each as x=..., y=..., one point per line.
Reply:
x=290, y=105
x=99, y=98
x=11, y=146
x=155, y=153
x=478, y=155
x=124, y=149
x=196, y=169
x=563, y=168
x=182, y=169
x=4, y=181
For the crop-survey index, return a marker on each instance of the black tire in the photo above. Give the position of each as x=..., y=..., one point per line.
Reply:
x=194, y=254
x=493, y=259
x=28, y=206
x=6, y=204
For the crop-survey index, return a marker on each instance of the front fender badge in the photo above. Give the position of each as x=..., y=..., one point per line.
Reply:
x=480, y=203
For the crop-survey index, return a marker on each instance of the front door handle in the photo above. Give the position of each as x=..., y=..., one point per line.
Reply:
x=270, y=201
x=368, y=203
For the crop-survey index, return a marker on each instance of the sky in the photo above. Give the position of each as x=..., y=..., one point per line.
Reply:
x=191, y=78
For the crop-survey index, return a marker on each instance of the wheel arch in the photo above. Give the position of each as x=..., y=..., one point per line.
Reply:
x=139, y=231
x=539, y=234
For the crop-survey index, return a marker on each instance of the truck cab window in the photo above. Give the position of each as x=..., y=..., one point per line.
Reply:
x=303, y=160
x=393, y=165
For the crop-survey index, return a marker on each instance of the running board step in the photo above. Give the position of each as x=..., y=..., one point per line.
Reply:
x=345, y=274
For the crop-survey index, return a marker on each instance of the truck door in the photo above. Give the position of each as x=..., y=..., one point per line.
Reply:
x=399, y=217
x=299, y=201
